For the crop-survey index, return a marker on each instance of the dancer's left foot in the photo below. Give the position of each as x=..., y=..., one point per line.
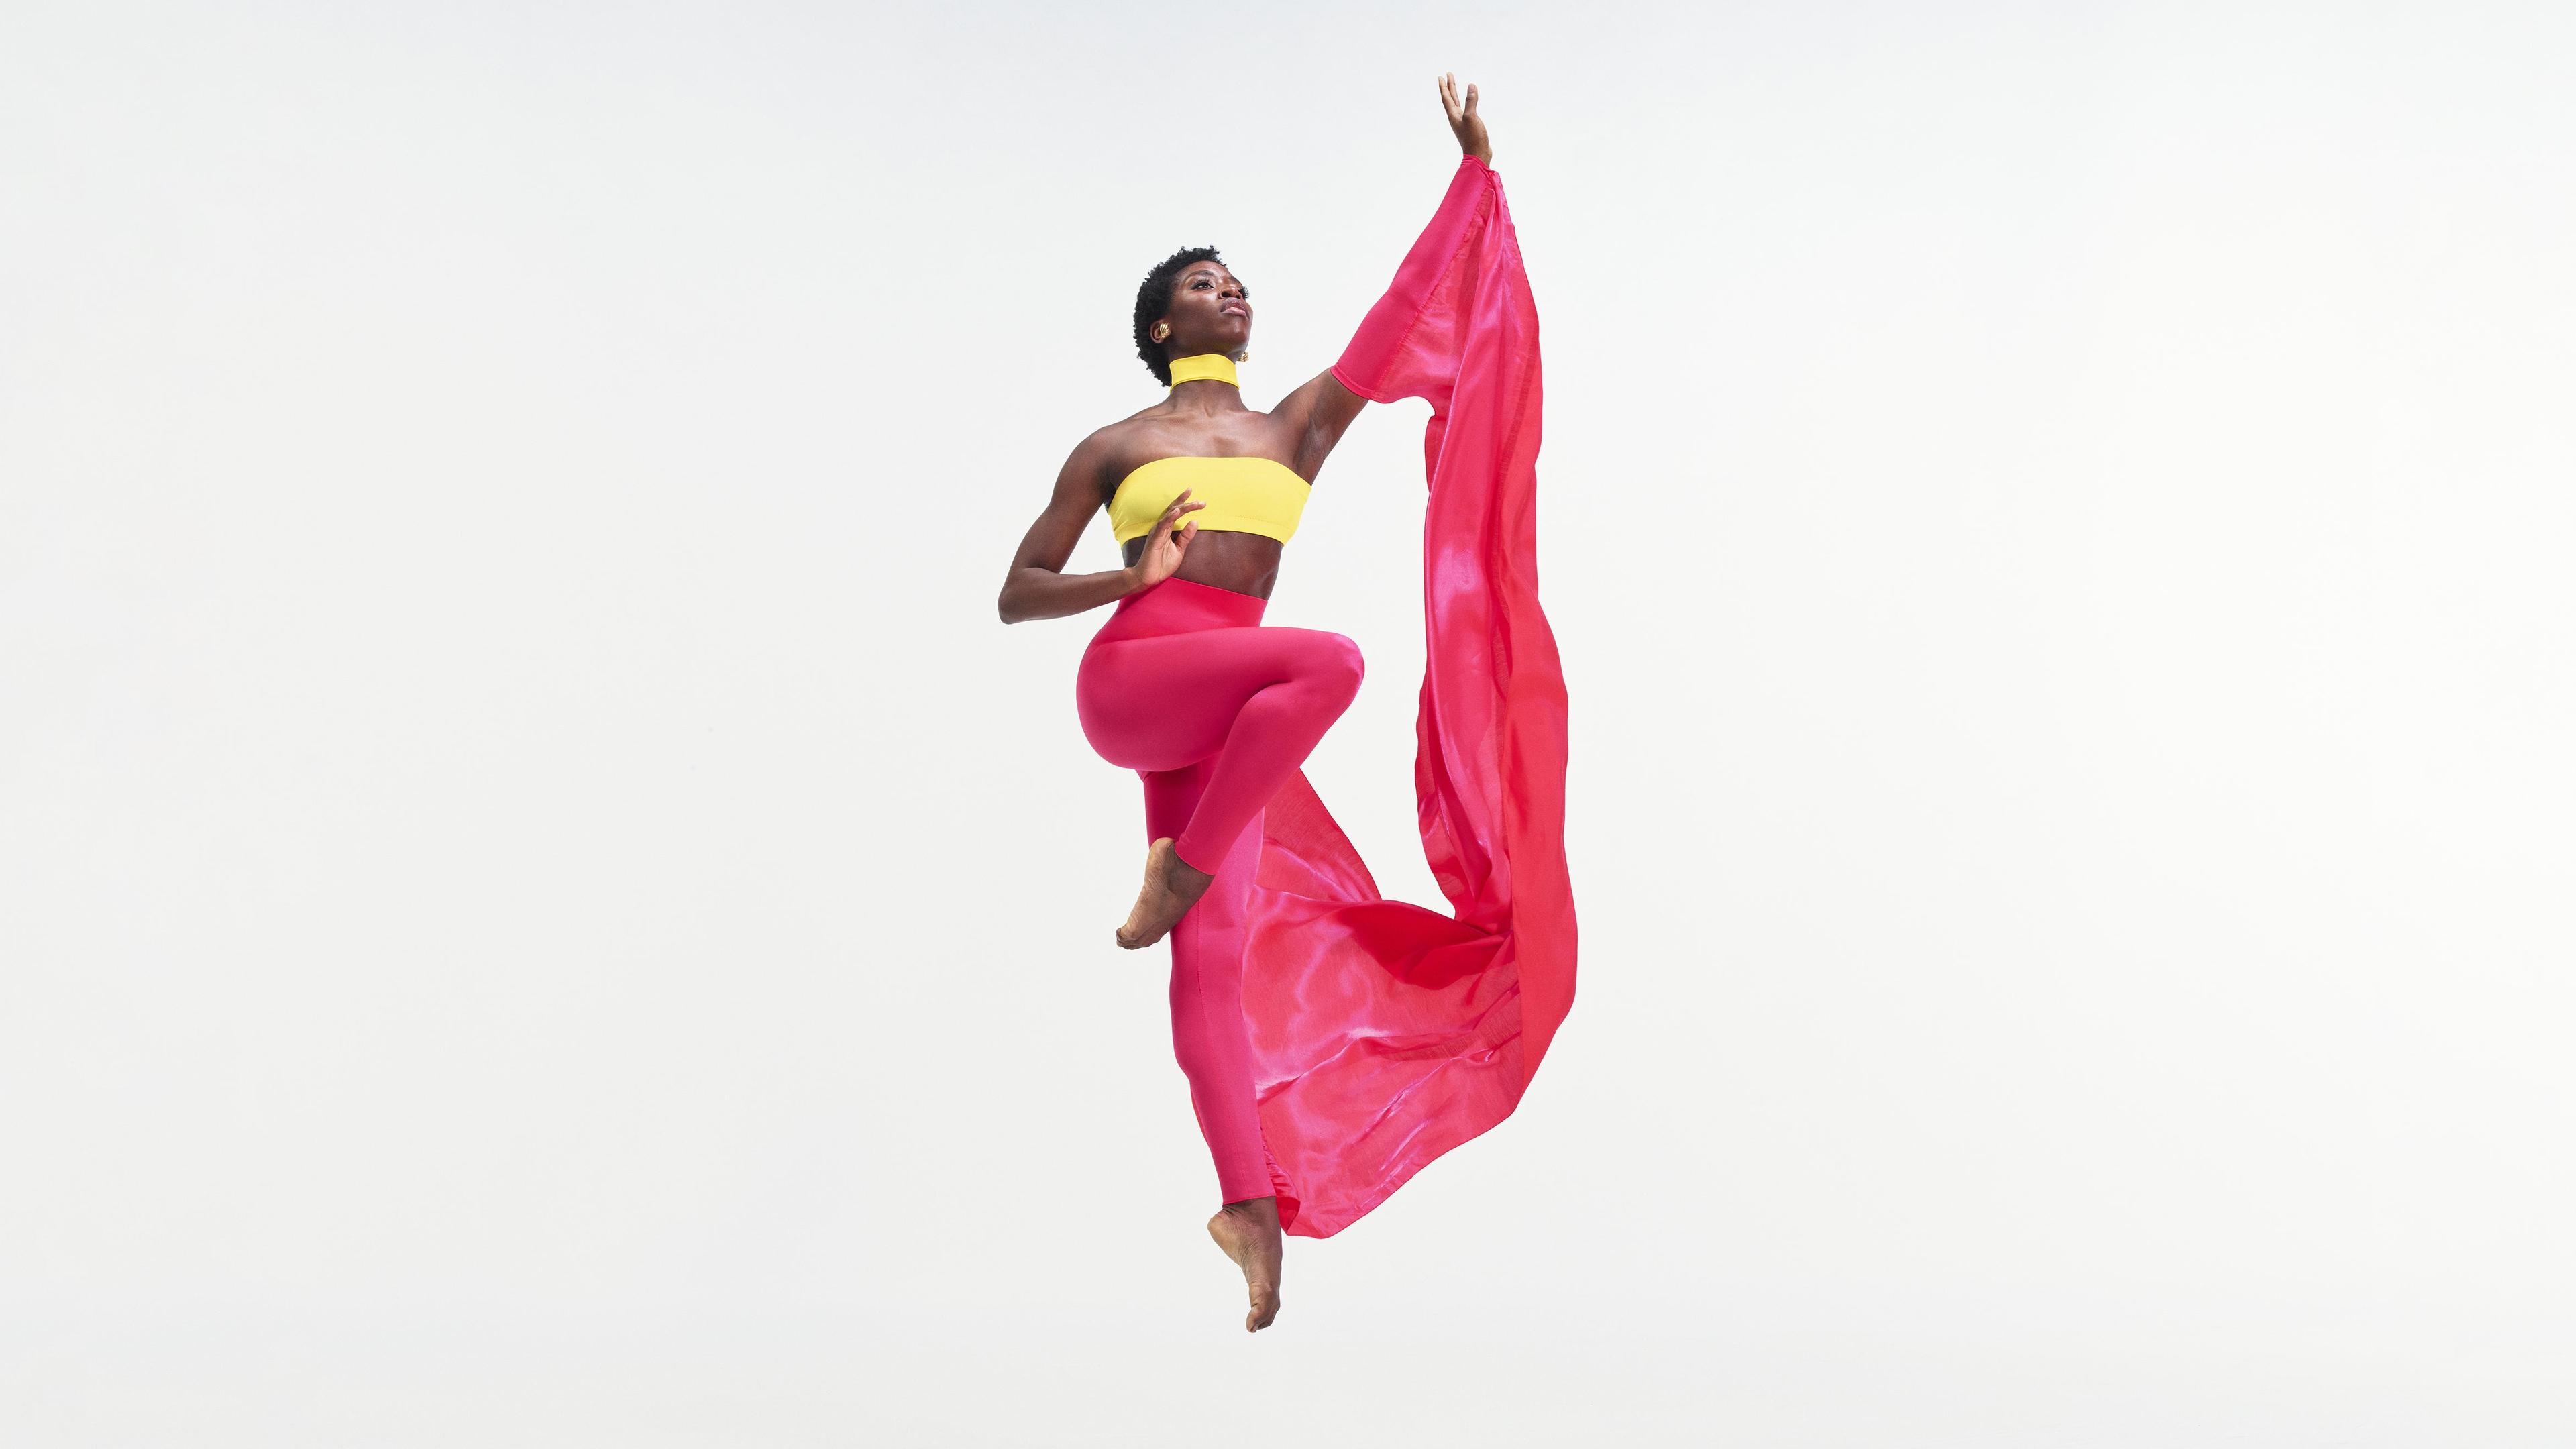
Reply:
x=1249, y=1233
x=1172, y=886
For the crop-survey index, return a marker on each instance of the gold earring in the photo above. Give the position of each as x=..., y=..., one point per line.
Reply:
x=1162, y=331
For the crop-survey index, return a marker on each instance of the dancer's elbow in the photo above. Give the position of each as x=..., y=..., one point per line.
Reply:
x=1018, y=604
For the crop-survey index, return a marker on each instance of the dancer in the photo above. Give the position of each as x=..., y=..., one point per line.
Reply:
x=1334, y=1041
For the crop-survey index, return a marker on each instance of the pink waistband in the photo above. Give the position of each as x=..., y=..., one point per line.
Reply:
x=1177, y=606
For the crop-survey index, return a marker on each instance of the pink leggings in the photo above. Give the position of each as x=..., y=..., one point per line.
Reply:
x=1184, y=686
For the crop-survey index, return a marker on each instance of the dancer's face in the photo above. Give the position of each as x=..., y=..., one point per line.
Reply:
x=1210, y=312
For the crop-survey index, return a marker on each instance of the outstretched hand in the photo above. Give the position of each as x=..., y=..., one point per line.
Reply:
x=1463, y=119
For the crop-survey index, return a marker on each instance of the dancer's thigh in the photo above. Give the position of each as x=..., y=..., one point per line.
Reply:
x=1162, y=702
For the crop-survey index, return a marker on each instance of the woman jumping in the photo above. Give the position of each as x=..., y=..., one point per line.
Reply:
x=1334, y=1041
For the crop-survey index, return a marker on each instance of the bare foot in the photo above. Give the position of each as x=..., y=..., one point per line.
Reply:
x=1249, y=1233
x=1172, y=886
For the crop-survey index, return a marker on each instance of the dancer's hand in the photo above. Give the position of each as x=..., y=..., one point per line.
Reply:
x=1464, y=120
x=1165, y=545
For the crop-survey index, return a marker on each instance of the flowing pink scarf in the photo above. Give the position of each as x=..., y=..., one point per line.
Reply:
x=1384, y=1033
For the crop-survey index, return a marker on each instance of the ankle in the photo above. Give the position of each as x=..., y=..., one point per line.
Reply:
x=1186, y=876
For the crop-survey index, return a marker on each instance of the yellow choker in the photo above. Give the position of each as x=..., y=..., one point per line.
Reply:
x=1204, y=367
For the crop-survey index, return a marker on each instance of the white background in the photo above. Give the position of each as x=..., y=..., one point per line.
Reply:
x=539, y=905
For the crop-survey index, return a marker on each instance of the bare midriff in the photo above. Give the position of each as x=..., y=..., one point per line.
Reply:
x=1247, y=563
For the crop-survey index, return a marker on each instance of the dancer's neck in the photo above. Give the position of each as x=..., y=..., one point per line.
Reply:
x=1204, y=367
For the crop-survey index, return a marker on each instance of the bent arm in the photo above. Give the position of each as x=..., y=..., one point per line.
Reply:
x=1037, y=586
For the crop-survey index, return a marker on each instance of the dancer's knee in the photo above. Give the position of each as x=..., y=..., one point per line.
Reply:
x=1339, y=666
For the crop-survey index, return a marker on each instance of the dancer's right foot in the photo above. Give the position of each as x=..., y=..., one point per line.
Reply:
x=1172, y=886
x=1249, y=1233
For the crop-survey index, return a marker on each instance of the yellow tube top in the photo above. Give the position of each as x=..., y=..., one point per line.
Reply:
x=1243, y=495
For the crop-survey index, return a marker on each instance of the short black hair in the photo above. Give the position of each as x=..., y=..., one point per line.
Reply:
x=1154, y=298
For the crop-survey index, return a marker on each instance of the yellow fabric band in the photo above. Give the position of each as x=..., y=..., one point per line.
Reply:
x=1204, y=367
x=1243, y=495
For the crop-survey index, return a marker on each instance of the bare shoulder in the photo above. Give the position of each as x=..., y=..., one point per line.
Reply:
x=1125, y=436
x=1110, y=440
x=1113, y=450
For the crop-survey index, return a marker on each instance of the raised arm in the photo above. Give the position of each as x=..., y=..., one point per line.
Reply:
x=1037, y=586
x=1322, y=410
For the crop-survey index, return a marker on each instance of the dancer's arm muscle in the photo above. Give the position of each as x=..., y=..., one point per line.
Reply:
x=1318, y=414
x=1037, y=586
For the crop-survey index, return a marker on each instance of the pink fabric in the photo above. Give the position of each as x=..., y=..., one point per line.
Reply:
x=1383, y=1033
x=1214, y=713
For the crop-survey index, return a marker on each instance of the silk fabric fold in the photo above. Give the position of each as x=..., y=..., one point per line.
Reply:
x=1384, y=1033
